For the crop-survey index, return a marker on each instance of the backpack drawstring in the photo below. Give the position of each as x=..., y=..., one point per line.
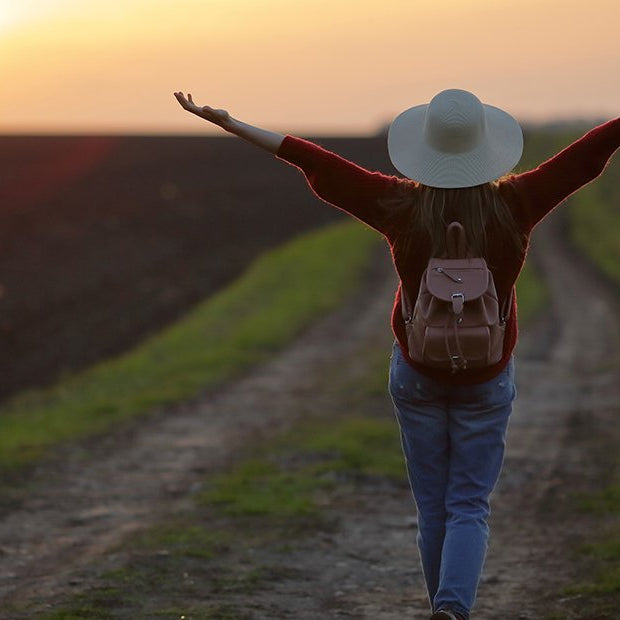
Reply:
x=458, y=361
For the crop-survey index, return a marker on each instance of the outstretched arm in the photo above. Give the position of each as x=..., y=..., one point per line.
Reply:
x=268, y=140
x=579, y=163
x=334, y=179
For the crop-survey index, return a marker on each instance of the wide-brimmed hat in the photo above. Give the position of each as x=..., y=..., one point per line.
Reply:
x=454, y=141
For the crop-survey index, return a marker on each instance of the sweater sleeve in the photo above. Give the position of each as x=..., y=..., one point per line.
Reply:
x=557, y=178
x=343, y=184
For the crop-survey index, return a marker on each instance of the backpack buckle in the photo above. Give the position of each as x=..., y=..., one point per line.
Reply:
x=458, y=299
x=458, y=362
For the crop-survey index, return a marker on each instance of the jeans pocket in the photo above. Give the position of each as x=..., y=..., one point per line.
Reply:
x=497, y=391
x=407, y=384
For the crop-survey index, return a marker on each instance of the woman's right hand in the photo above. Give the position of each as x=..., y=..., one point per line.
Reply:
x=218, y=117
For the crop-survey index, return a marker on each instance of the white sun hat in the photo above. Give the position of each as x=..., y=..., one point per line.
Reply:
x=454, y=141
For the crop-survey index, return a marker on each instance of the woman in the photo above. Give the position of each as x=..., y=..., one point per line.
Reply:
x=455, y=154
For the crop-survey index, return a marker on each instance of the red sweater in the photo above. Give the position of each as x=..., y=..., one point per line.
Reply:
x=530, y=196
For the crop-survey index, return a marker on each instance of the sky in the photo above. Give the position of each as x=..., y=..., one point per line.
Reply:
x=314, y=67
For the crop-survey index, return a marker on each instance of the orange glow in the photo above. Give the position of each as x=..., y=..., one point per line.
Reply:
x=314, y=66
x=47, y=176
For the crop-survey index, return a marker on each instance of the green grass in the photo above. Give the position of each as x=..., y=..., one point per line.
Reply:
x=605, y=576
x=602, y=503
x=532, y=294
x=599, y=589
x=604, y=557
x=594, y=219
x=358, y=445
x=288, y=480
x=262, y=487
x=603, y=550
x=183, y=539
x=279, y=295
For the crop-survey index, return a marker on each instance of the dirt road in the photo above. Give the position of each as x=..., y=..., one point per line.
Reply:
x=84, y=502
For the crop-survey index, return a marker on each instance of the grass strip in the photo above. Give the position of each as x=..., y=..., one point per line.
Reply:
x=532, y=294
x=603, y=550
x=288, y=481
x=594, y=221
x=281, y=293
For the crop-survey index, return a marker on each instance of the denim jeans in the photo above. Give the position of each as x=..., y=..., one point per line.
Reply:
x=453, y=439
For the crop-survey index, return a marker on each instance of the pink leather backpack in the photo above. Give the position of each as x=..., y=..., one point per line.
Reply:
x=456, y=322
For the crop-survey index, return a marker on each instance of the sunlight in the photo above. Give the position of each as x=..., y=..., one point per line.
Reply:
x=14, y=14
x=9, y=15
x=281, y=62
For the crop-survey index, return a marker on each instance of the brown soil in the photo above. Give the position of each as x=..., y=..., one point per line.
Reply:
x=103, y=240
x=84, y=502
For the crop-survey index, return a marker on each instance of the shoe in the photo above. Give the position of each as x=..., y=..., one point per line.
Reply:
x=445, y=614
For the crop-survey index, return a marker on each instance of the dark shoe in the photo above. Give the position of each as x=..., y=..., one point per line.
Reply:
x=445, y=614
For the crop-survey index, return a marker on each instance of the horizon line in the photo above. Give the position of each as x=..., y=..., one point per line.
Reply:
x=211, y=132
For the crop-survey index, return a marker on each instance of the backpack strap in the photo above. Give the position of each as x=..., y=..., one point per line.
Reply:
x=506, y=308
x=405, y=304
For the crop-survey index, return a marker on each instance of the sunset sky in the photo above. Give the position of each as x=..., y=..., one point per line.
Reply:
x=305, y=66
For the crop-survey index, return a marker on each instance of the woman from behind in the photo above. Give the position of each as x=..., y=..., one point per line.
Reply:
x=455, y=154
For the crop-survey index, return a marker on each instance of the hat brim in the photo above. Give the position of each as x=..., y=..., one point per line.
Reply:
x=496, y=154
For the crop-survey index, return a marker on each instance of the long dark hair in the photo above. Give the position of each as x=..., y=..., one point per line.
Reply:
x=480, y=208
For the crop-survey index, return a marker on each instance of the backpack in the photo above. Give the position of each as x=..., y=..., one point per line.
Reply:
x=456, y=322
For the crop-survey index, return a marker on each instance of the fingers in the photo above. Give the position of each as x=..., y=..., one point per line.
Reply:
x=180, y=98
x=186, y=102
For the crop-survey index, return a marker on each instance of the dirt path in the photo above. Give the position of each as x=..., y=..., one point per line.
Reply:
x=80, y=505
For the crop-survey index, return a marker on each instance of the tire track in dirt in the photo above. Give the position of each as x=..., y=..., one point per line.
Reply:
x=80, y=506
x=84, y=502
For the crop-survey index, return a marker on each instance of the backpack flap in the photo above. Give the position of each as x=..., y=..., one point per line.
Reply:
x=457, y=280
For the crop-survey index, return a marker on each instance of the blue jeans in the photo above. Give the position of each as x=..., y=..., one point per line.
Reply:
x=453, y=438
